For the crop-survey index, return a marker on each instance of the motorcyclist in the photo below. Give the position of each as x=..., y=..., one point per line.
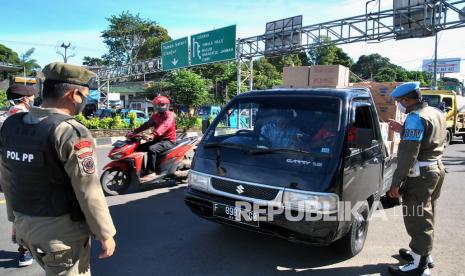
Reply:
x=162, y=138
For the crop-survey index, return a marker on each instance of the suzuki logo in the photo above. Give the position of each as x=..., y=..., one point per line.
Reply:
x=240, y=189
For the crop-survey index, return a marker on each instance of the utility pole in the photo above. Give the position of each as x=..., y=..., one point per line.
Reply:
x=63, y=45
x=435, y=64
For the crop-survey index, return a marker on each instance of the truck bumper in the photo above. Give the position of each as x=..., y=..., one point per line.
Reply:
x=314, y=232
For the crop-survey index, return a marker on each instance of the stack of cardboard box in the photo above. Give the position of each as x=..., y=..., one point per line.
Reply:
x=317, y=76
x=386, y=108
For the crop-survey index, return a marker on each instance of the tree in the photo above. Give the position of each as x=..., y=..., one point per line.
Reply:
x=387, y=74
x=328, y=54
x=152, y=46
x=3, y=98
x=265, y=74
x=93, y=61
x=219, y=75
x=9, y=56
x=130, y=38
x=29, y=64
x=368, y=66
x=287, y=60
x=188, y=89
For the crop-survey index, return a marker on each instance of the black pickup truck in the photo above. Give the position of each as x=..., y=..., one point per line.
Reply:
x=307, y=165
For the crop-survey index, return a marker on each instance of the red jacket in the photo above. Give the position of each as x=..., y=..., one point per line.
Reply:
x=164, y=126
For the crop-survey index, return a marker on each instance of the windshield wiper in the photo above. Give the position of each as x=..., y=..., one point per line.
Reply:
x=281, y=150
x=226, y=145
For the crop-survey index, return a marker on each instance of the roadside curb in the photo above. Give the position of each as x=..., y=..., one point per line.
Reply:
x=108, y=141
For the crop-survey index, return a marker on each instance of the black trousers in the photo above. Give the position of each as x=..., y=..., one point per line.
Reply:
x=154, y=148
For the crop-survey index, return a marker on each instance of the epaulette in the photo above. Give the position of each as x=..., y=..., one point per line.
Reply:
x=80, y=128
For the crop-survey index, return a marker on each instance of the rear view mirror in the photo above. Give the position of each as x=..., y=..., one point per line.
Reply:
x=361, y=137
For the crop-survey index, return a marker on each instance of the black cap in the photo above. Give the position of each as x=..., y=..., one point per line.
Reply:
x=17, y=91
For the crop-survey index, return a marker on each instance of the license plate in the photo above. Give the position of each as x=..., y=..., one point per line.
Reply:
x=235, y=214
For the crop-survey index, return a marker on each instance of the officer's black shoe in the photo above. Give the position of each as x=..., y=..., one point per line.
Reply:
x=417, y=267
x=406, y=255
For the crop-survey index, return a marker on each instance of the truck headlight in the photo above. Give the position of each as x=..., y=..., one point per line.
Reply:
x=310, y=202
x=198, y=181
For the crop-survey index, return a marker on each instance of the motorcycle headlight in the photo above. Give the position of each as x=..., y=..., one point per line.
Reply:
x=198, y=181
x=310, y=202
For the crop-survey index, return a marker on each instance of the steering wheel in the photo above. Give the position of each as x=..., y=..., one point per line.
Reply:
x=265, y=140
x=244, y=131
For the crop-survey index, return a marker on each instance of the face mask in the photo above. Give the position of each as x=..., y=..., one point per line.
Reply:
x=79, y=107
x=401, y=107
x=162, y=109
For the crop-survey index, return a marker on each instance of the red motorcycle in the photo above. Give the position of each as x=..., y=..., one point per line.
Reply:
x=128, y=164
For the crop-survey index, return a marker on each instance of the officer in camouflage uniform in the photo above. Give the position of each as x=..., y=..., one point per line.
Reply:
x=50, y=179
x=419, y=175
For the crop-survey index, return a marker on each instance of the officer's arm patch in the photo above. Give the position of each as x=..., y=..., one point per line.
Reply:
x=85, y=156
x=413, y=128
x=88, y=165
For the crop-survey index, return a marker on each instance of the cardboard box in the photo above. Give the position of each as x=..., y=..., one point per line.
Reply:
x=296, y=76
x=385, y=104
x=333, y=76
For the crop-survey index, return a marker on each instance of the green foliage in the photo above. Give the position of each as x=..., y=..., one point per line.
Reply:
x=189, y=89
x=328, y=54
x=183, y=121
x=287, y=60
x=9, y=56
x=3, y=100
x=130, y=38
x=266, y=75
x=105, y=123
x=219, y=75
x=29, y=63
x=385, y=74
x=369, y=66
x=93, y=61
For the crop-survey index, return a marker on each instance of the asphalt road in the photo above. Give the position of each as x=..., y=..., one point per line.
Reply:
x=158, y=235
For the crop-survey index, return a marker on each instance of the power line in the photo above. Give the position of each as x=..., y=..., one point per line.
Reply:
x=28, y=43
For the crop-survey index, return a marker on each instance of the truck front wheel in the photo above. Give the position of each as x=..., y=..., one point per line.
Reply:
x=352, y=243
x=448, y=137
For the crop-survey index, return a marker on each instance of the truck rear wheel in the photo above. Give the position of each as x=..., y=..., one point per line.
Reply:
x=352, y=243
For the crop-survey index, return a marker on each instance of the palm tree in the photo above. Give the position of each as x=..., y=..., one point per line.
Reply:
x=29, y=64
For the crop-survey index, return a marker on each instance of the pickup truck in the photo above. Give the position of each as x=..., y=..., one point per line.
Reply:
x=312, y=154
x=451, y=104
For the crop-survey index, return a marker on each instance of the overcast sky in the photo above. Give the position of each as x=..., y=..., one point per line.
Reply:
x=45, y=24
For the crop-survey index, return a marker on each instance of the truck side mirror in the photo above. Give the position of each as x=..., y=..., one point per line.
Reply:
x=360, y=137
x=205, y=125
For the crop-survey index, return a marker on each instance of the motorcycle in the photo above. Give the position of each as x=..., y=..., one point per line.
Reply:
x=128, y=164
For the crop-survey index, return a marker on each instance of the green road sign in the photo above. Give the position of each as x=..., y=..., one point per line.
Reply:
x=212, y=46
x=174, y=54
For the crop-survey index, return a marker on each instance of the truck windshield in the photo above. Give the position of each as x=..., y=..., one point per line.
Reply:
x=432, y=100
x=299, y=124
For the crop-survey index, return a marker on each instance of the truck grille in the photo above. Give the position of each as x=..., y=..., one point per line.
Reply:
x=245, y=190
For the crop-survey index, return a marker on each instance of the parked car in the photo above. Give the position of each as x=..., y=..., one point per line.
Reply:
x=312, y=152
x=141, y=117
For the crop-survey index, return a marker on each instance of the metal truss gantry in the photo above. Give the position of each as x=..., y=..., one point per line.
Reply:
x=422, y=20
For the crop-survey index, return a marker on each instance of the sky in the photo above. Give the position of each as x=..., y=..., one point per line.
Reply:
x=46, y=24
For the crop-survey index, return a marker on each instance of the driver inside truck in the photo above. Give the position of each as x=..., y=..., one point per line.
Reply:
x=280, y=132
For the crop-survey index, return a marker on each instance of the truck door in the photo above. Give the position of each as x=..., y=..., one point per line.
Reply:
x=363, y=166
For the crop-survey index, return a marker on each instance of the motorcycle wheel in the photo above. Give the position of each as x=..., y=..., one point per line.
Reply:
x=114, y=182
